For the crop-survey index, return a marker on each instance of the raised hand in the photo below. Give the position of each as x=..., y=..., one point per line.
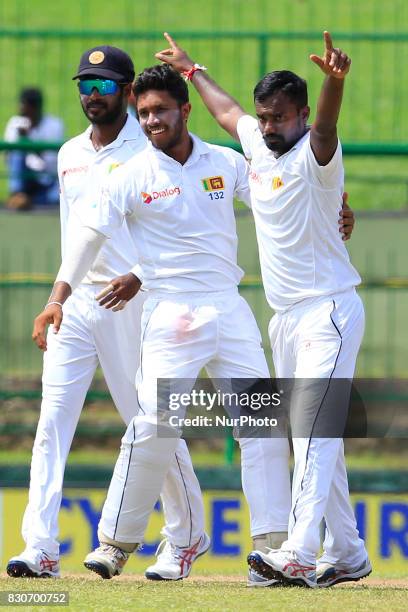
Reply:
x=334, y=62
x=175, y=56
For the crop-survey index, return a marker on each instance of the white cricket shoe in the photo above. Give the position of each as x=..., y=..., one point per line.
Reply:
x=34, y=563
x=106, y=560
x=283, y=565
x=175, y=562
x=256, y=580
x=329, y=574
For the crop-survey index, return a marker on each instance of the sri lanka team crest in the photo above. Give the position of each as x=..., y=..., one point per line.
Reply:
x=277, y=182
x=213, y=183
x=147, y=198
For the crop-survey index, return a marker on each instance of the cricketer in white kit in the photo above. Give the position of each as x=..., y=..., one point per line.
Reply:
x=193, y=317
x=296, y=182
x=92, y=334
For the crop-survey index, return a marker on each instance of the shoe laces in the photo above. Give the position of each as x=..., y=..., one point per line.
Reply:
x=172, y=552
x=281, y=550
x=167, y=550
x=290, y=553
x=113, y=551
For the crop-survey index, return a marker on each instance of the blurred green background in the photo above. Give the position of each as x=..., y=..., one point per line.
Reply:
x=239, y=41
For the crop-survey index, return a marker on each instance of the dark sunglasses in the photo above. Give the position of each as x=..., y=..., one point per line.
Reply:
x=105, y=87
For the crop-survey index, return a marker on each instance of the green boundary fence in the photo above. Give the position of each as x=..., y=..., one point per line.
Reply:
x=239, y=42
x=224, y=478
x=383, y=353
x=349, y=148
x=367, y=187
x=261, y=38
x=374, y=102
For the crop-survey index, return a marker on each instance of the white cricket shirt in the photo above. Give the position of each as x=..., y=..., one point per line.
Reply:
x=296, y=205
x=82, y=169
x=181, y=217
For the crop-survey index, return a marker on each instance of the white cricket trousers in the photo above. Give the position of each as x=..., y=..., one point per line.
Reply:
x=90, y=335
x=320, y=338
x=181, y=334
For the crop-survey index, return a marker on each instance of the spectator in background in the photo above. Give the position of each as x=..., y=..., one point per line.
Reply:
x=33, y=175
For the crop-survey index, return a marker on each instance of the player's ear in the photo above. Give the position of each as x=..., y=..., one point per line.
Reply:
x=127, y=89
x=185, y=110
x=305, y=112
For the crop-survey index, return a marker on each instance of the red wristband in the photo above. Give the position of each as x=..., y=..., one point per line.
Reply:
x=188, y=74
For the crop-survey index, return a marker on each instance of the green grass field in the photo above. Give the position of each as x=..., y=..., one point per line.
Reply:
x=363, y=459
x=207, y=593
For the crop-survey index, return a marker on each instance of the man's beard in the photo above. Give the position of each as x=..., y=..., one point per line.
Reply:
x=177, y=138
x=278, y=144
x=107, y=117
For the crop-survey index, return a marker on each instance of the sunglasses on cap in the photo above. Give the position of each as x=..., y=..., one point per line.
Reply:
x=105, y=87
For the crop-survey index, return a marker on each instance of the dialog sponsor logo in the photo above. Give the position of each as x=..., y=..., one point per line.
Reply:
x=254, y=176
x=158, y=195
x=78, y=169
x=147, y=198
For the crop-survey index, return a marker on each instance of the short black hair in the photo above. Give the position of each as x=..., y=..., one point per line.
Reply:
x=289, y=83
x=163, y=78
x=32, y=96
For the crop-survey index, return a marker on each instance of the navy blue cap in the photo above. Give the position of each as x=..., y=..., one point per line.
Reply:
x=106, y=62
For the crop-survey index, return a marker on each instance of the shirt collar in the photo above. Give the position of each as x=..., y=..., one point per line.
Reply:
x=295, y=146
x=199, y=148
x=130, y=131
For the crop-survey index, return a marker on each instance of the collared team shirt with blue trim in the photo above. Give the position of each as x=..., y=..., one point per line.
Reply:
x=81, y=171
x=181, y=217
x=296, y=204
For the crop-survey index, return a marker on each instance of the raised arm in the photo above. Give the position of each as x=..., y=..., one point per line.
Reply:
x=323, y=135
x=221, y=105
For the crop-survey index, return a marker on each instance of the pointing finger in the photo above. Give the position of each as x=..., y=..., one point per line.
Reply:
x=328, y=41
x=170, y=40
